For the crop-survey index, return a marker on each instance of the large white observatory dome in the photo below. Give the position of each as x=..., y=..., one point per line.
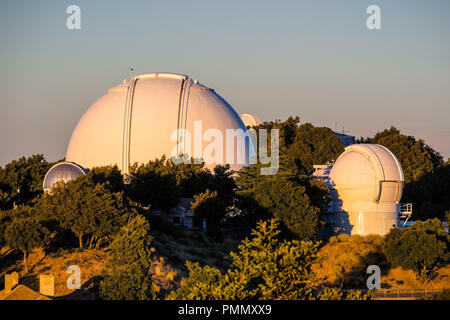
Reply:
x=366, y=187
x=135, y=122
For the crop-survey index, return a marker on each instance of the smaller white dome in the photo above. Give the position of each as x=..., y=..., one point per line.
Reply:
x=366, y=184
x=63, y=171
x=250, y=120
x=367, y=172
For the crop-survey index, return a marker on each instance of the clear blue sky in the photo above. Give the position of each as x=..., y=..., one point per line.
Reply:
x=315, y=59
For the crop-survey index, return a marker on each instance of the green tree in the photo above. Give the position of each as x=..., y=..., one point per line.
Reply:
x=21, y=180
x=427, y=177
x=263, y=268
x=295, y=199
x=126, y=275
x=291, y=195
x=5, y=220
x=424, y=247
x=85, y=208
x=288, y=202
x=429, y=194
x=153, y=184
x=416, y=157
x=191, y=178
x=25, y=234
x=110, y=176
x=287, y=131
x=314, y=145
x=210, y=206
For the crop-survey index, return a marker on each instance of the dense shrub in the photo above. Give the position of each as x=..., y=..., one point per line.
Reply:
x=423, y=247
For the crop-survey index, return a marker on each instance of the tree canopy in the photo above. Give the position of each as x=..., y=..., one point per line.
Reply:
x=427, y=177
x=314, y=145
x=153, y=184
x=423, y=247
x=416, y=157
x=126, y=275
x=210, y=206
x=24, y=233
x=21, y=180
x=85, y=208
x=292, y=196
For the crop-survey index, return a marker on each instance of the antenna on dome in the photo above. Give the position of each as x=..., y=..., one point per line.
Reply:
x=131, y=72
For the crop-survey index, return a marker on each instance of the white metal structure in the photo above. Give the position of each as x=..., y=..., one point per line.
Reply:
x=134, y=121
x=366, y=186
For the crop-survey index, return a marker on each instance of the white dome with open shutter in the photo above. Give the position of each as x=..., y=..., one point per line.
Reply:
x=366, y=187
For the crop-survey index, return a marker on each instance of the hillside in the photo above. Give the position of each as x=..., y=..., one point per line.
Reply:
x=170, y=255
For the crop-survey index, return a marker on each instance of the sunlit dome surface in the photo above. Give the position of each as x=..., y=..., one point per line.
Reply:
x=63, y=171
x=134, y=122
x=250, y=120
x=368, y=172
x=366, y=184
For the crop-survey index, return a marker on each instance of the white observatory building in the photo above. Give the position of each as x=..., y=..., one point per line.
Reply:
x=135, y=122
x=366, y=184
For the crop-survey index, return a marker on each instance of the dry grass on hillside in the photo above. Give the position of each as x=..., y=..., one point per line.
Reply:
x=343, y=260
x=167, y=269
x=400, y=278
x=90, y=262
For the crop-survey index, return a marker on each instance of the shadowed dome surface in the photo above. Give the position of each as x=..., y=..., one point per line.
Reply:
x=63, y=171
x=135, y=122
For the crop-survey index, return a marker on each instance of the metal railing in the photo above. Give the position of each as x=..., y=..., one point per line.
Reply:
x=406, y=293
x=405, y=212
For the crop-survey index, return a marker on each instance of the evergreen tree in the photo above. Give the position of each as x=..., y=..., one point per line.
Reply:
x=126, y=276
x=263, y=268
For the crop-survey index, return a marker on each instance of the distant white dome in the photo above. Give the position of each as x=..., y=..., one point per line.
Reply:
x=63, y=171
x=366, y=186
x=134, y=121
x=250, y=120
